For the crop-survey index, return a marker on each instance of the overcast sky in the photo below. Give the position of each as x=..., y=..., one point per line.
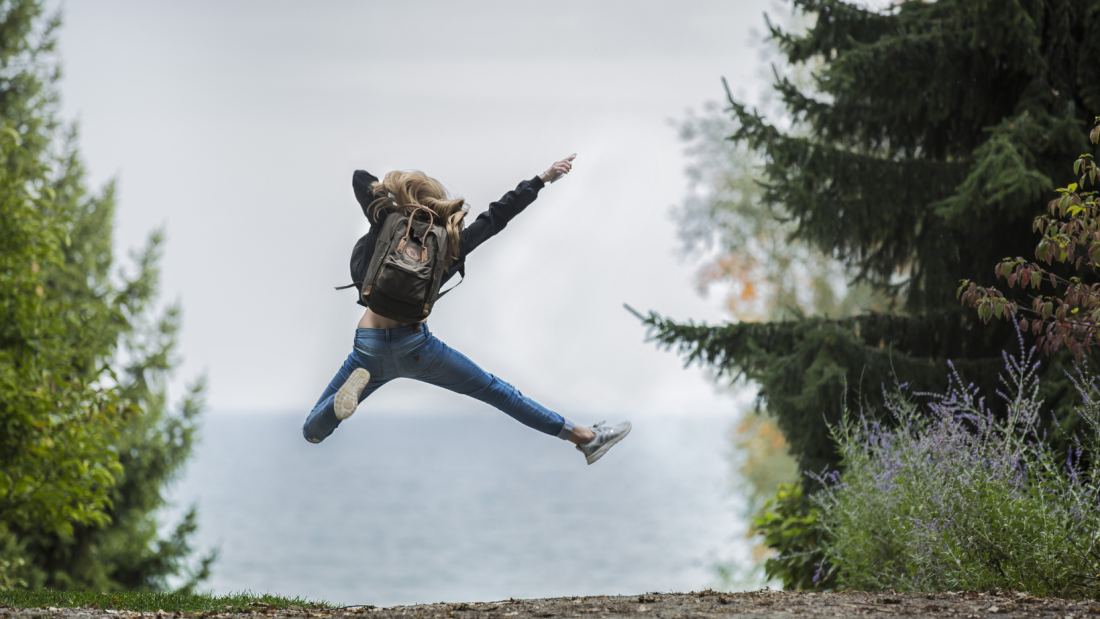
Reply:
x=236, y=125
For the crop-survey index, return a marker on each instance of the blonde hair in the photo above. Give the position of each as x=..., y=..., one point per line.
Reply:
x=408, y=190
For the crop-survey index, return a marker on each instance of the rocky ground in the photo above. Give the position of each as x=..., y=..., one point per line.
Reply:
x=701, y=605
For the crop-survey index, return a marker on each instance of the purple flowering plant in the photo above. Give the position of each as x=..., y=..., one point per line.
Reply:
x=950, y=497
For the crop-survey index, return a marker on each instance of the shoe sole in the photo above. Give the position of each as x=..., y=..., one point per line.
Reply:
x=596, y=455
x=347, y=398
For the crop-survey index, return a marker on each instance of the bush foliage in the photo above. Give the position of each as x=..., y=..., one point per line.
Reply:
x=792, y=527
x=88, y=443
x=950, y=496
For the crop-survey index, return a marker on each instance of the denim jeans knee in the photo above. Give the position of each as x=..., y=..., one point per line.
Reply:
x=413, y=352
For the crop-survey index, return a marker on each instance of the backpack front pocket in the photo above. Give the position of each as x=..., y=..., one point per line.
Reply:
x=404, y=279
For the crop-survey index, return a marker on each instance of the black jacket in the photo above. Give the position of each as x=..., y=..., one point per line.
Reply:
x=486, y=225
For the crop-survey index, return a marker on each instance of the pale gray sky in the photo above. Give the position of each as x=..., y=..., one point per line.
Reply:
x=237, y=125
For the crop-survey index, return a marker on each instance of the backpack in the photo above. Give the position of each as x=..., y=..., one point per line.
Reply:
x=403, y=276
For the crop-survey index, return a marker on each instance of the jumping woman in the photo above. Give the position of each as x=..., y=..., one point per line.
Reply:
x=417, y=241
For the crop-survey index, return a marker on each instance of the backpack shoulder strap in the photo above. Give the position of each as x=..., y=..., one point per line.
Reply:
x=461, y=278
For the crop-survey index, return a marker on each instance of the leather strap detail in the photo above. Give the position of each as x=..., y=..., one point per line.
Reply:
x=408, y=229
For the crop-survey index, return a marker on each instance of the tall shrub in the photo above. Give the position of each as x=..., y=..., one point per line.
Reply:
x=88, y=442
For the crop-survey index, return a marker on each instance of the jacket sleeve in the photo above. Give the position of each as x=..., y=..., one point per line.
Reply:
x=497, y=217
x=361, y=182
x=492, y=221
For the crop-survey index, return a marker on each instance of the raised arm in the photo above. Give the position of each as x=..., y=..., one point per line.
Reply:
x=502, y=211
x=361, y=182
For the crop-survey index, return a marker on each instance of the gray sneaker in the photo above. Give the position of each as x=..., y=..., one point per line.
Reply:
x=606, y=437
x=347, y=398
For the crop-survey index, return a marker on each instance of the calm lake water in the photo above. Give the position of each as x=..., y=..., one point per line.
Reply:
x=401, y=509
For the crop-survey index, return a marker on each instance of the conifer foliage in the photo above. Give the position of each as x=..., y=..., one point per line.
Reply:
x=932, y=137
x=87, y=443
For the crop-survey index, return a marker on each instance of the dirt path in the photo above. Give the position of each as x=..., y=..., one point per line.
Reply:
x=701, y=605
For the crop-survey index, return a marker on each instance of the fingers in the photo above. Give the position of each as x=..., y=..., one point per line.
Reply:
x=560, y=168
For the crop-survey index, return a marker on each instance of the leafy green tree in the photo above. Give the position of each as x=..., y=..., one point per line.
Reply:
x=1070, y=315
x=88, y=443
x=918, y=158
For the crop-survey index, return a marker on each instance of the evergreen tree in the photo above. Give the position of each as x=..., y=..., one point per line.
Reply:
x=768, y=273
x=88, y=444
x=932, y=136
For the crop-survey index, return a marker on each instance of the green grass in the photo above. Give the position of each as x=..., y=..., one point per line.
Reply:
x=168, y=602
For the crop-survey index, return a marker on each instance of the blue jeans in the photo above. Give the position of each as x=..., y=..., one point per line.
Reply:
x=413, y=352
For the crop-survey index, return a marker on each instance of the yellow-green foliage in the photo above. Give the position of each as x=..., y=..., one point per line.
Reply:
x=793, y=529
x=87, y=444
x=60, y=420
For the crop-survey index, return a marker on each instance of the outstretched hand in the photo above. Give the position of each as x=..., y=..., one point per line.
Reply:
x=558, y=170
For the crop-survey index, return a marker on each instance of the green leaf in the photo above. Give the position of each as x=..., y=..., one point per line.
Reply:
x=84, y=353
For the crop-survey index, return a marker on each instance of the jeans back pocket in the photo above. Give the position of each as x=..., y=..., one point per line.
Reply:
x=417, y=361
x=371, y=362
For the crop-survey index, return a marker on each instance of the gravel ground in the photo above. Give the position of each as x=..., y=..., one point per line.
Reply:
x=701, y=605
